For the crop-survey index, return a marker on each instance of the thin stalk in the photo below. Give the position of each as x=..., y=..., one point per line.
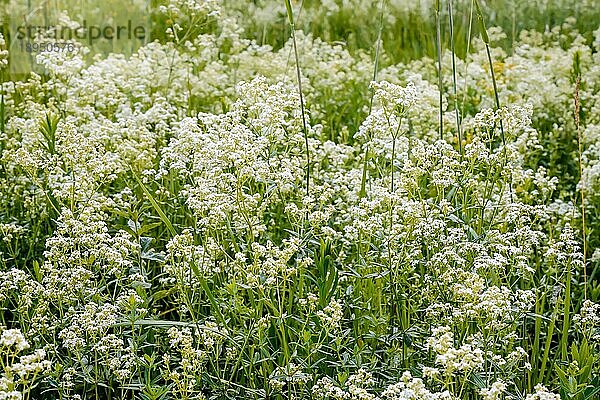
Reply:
x=486, y=40
x=577, y=71
x=390, y=232
x=539, y=307
x=1, y=109
x=458, y=124
x=467, y=54
x=290, y=14
x=566, y=321
x=492, y=73
x=547, y=345
x=377, y=50
x=514, y=28
x=438, y=42
x=363, y=183
x=2, y=105
x=392, y=166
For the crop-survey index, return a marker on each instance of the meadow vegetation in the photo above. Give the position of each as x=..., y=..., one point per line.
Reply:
x=351, y=212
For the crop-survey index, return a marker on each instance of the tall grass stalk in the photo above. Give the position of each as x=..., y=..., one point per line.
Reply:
x=452, y=48
x=363, y=183
x=547, y=345
x=486, y=40
x=566, y=318
x=577, y=72
x=2, y=104
x=290, y=14
x=438, y=41
x=1, y=110
x=468, y=49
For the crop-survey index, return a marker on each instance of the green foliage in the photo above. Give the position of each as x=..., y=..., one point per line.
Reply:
x=216, y=218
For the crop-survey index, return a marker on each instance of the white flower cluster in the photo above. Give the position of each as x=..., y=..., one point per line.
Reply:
x=184, y=258
x=88, y=325
x=588, y=319
x=3, y=53
x=17, y=377
x=494, y=392
x=465, y=359
x=12, y=340
x=408, y=388
x=393, y=98
x=331, y=316
x=290, y=374
x=325, y=388
x=542, y=393
x=31, y=364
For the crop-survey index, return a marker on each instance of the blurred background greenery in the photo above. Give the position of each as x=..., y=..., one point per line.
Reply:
x=408, y=27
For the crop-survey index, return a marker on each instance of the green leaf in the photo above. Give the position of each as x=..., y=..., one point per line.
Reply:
x=290, y=12
x=484, y=34
x=592, y=390
x=157, y=208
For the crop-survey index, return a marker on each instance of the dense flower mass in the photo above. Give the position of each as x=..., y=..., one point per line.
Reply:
x=204, y=220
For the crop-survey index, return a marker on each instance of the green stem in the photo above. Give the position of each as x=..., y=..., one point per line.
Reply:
x=547, y=345
x=458, y=124
x=566, y=320
x=577, y=70
x=290, y=14
x=439, y=59
x=486, y=40
x=363, y=183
